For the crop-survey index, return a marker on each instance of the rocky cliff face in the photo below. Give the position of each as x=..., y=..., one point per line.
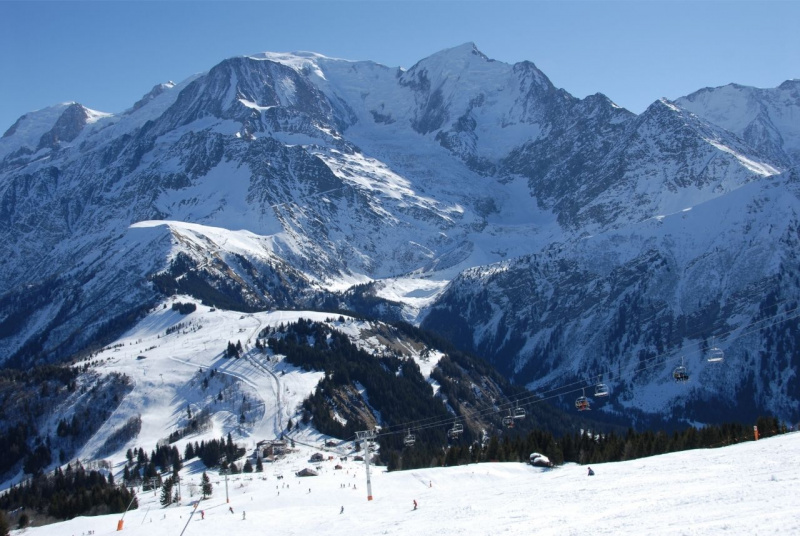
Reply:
x=278, y=180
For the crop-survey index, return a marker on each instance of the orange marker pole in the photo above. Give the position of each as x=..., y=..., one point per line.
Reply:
x=755, y=433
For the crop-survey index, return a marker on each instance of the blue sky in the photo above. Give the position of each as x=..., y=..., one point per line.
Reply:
x=106, y=55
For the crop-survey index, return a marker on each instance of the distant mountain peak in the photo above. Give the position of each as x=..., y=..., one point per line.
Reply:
x=467, y=48
x=793, y=83
x=453, y=59
x=157, y=90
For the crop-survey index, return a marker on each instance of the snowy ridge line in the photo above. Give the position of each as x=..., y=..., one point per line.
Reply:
x=570, y=388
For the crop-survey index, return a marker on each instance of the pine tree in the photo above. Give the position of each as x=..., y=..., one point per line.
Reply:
x=207, y=488
x=188, y=452
x=166, y=491
x=4, y=527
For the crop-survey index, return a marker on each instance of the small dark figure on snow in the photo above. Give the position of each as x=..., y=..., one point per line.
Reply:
x=591, y=473
x=230, y=508
x=415, y=504
x=342, y=510
x=202, y=514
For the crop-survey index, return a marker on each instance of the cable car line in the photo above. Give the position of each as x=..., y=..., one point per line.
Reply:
x=560, y=391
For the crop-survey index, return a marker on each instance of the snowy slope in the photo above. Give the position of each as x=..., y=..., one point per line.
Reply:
x=632, y=302
x=701, y=491
x=767, y=118
x=166, y=372
x=743, y=489
x=282, y=178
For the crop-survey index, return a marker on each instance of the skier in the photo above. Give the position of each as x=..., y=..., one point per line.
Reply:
x=415, y=504
x=202, y=514
x=591, y=473
x=342, y=510
x=230, y=508
x=244, y=516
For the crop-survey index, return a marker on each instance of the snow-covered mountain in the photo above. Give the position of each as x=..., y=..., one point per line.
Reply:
x=767, y=119
x=279, y=180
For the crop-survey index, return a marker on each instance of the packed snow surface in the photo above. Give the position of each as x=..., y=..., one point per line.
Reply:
x=741, y=489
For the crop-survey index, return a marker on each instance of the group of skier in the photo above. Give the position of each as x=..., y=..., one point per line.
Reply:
x=341, y=511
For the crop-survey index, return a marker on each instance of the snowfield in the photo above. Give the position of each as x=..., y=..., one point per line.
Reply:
x=741, y=489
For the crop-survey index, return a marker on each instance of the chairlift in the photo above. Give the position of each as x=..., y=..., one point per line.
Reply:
x=715, y=354
x=680, y=373
x=455, y=431
x=600, y=390
x=410, y=439
x=582, y=403
x=519, y=412
x=508, y=420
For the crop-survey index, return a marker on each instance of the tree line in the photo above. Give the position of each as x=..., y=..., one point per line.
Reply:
x=588, y=447
x=68, y=493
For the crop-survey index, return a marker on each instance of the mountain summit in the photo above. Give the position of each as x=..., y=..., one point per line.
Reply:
x=558, y=237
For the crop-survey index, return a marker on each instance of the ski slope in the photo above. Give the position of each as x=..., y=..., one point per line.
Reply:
x=741, y=489
x=169, y=356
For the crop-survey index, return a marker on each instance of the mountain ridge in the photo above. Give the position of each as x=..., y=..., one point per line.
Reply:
x=351, y=173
